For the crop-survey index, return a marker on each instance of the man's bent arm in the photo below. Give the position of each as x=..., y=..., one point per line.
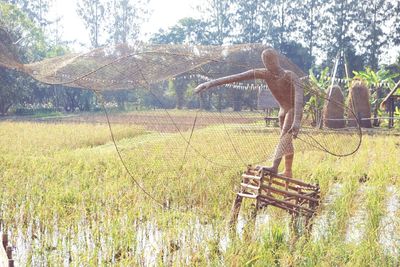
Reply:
x=247, y=75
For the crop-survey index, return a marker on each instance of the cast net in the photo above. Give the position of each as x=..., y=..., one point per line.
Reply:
x=230, y=126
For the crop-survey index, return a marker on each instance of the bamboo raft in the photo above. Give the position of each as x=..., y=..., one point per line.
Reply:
x=6, y=253
x=298, y=198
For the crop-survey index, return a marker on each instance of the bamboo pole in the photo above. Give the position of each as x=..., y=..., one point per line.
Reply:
x=287, y=193
x=235, y=213
x=290, y=180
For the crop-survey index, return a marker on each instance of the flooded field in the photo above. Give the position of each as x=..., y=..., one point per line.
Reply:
x=67, y=201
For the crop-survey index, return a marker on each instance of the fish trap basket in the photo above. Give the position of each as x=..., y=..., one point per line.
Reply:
x=268, y=189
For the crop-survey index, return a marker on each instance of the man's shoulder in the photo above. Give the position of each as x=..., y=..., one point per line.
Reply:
x=290, y=74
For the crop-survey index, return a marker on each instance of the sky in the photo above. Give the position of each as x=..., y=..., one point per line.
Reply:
x=165, y=13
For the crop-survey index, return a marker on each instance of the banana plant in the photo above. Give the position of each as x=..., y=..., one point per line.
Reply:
x=315, y=92
x=376, y=79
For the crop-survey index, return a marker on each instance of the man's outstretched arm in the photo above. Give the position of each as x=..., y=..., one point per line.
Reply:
x=247, y=75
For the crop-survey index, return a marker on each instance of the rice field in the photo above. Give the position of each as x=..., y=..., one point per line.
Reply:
x=67, y=200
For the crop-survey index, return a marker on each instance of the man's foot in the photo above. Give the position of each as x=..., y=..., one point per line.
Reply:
x=270, y=169
x=288, y=174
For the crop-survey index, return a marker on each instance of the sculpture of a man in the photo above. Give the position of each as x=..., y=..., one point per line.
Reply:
x=286, y=88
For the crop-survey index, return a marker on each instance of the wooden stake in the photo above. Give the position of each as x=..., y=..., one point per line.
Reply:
x=5, y=240
x=235, y=212
x=9, y=252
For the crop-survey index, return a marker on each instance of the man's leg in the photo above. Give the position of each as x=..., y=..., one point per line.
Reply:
x=275, y=165
x=277, y=158
x=283, y=149
x=288, y=150
x=288, y=166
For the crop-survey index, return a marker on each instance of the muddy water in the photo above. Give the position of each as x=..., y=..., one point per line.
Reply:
x=322, y=221
x=356, y=224
x=150, y=245
x=390, y=224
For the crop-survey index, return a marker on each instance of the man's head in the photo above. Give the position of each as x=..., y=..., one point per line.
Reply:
x=270, y=59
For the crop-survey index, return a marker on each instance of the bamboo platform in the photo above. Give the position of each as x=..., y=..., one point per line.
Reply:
x=6, y=253
x=298, y=198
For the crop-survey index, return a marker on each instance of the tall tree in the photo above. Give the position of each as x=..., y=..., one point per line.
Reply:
x=338, y=30
x=308, y=20
x=28, y=37
x=338, y=33
x=373, y=17
x=396, y=25
x=125, y=18
x=218, y=15
x=186, y=31
x=251, y=20
x=25, y=42
x=93, y=14
x=36, y=10
x=280, y=16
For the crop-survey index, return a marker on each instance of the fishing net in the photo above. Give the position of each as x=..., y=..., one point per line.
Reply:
x=221, y=131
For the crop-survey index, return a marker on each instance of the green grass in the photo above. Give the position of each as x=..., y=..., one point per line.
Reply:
x=68, y=179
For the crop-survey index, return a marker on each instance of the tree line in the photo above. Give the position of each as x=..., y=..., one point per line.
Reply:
x=309, y=32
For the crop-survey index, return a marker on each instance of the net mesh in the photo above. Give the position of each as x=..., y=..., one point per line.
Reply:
x=222, y=137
